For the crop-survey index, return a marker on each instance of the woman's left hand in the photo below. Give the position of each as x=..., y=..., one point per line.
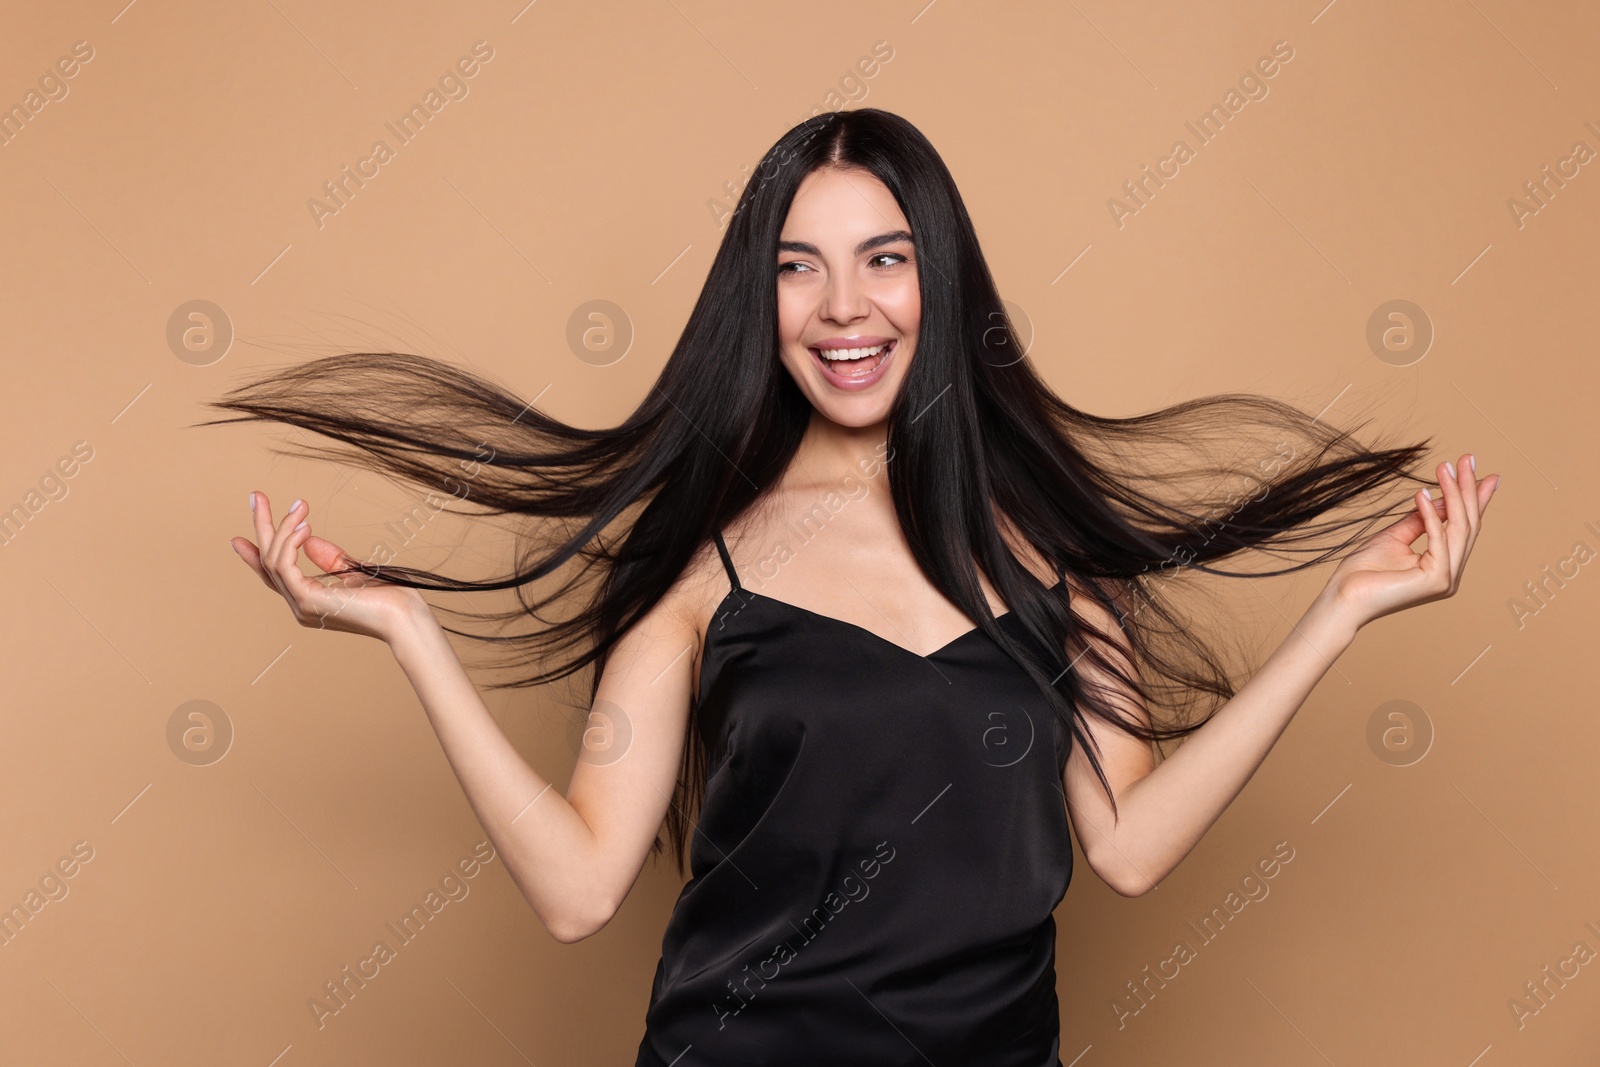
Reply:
x=1385, y=575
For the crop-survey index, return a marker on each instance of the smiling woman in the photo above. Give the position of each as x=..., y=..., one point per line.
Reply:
x=1009, y=573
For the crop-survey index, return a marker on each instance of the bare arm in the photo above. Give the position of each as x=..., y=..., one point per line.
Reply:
x=574, y=857
x=1164, y=811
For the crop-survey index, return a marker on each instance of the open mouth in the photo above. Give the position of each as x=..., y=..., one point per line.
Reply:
x=854, y=367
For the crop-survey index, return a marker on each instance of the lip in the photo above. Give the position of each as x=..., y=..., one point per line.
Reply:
x=865, y=340
x=852, y=385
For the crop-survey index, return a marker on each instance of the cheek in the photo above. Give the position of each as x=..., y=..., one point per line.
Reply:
x=904, y=307
x=792, y=315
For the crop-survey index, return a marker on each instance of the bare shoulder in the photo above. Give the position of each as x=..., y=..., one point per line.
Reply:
x=686, y=609
x=1026, y=554
x=1085, y=605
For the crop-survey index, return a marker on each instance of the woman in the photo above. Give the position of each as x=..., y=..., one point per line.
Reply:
x=875, y=606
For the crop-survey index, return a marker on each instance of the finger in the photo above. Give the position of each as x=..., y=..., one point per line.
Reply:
x=261, y=515
x=298, y=587
x=1406, y=530
x=1411, y=526
x=1436, y=558
x=252, y=557
x=1456, y=529
x=291, y=518
x=330, y=557
x=1474, y=510
x=330, y=599
x=1469, y=491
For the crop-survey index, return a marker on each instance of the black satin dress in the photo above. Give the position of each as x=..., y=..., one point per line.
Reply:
x=882, y=842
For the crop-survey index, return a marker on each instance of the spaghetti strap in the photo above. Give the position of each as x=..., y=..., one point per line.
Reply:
x=727, y=560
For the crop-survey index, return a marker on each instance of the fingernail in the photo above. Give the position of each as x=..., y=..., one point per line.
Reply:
x=1472, y=461
x=1451, y=467
x=252, y=501
x=1426, y=494
x=234, y=547
x=301, y=526
x=294, y=505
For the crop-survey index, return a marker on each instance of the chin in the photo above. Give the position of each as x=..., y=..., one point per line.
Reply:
x=855, y=414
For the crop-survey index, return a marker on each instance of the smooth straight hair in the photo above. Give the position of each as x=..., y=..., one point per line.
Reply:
x=1128, y=509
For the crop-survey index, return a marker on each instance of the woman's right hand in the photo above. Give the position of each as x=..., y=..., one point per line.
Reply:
x=351, y=603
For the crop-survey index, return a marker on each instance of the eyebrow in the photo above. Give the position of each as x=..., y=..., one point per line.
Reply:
x=865, y=246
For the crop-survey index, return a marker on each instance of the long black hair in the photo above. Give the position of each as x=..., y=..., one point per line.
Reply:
x=1119, y=506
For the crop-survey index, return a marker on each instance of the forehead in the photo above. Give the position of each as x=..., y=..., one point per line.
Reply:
x=841, y=207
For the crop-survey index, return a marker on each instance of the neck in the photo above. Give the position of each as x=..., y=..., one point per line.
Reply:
x=830, y=452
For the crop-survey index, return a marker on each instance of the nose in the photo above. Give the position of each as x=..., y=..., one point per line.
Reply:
x=845, y=299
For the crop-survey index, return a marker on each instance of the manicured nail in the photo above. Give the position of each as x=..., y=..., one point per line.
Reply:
x=301, y=526
x=1472, y=461
x=294, y=505
x=235, y=548
x=1451, y=467
x=1426, y=494
x=252, y=501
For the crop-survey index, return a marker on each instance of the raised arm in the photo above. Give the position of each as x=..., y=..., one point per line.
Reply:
x=574, y=857
x=1165, y=810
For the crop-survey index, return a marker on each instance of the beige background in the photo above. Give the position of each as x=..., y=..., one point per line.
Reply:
x=583, y=164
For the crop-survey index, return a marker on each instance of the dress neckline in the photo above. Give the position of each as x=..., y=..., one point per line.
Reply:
x=752, y=595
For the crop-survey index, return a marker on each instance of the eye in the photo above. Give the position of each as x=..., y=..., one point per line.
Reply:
x=897, y=257
x=783, y=268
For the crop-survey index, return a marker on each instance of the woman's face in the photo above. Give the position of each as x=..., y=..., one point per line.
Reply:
x=847, y=287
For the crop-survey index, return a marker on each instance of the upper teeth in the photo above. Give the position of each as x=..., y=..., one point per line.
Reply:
x=851, y=353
